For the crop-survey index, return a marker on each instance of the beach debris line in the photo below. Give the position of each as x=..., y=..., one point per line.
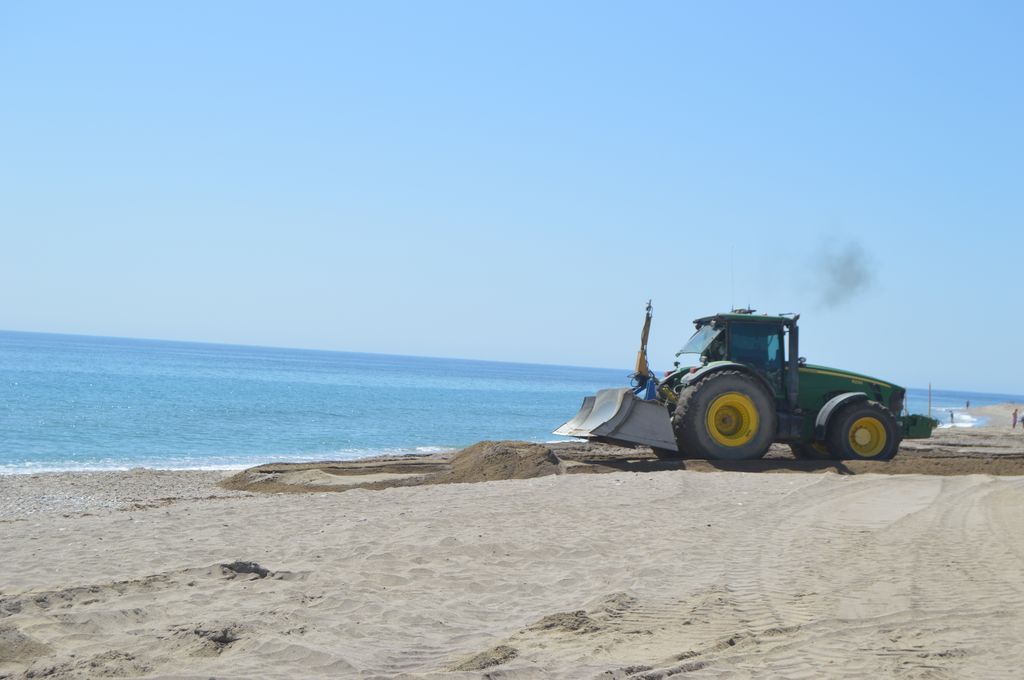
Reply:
x=738, y=385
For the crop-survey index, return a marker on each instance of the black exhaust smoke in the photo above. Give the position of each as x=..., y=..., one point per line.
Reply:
x=843, y=273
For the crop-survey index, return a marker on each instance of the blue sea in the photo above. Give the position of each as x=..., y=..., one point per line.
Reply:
x=89, y=403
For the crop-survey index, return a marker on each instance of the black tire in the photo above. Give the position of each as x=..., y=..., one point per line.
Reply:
x=810, y=451
x=745, y=435
x=865, y=430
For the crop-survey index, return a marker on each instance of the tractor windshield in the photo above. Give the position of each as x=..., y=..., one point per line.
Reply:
x=704, y=338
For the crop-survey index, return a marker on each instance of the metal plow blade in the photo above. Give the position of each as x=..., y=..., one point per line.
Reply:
x=618, y=416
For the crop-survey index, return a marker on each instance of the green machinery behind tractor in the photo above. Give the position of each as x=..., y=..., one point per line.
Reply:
x=749, y=387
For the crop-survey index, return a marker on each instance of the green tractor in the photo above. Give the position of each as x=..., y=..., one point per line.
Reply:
x=749, y=387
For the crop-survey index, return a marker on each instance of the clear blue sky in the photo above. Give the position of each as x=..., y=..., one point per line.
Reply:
x=513, y=181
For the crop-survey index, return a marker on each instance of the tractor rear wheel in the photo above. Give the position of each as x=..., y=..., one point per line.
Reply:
x=727, y=415
x=813, y=451
x=865, y=430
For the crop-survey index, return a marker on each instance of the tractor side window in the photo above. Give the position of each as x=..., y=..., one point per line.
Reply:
x=759, y=346
x=754, y=344
x=775, y=350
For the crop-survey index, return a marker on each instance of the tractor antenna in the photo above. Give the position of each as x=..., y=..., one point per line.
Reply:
x=732, y=279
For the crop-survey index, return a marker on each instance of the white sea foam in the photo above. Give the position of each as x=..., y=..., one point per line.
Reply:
x=226, y=464
x=960, y=419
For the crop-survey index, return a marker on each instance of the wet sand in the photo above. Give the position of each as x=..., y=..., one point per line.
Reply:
x=650, y=569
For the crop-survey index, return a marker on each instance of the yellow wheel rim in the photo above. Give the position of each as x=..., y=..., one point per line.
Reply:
x=867, y=437
x=732, y=419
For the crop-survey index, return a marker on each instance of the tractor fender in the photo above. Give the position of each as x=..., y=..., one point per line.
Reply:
x=830, y=407
x=718, y=366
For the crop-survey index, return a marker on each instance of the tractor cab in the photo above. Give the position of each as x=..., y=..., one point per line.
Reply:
x=757, y=342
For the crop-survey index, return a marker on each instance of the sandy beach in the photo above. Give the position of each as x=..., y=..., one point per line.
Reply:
x=526, y=341
x=649, y=569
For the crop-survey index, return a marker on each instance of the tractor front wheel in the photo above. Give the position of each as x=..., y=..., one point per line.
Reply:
x=865, y=430
x=727, y=415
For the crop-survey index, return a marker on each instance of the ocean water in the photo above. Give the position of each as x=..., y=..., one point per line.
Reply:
x=87, y=403
x=949, y=407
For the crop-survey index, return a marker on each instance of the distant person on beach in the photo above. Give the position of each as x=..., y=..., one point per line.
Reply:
x=968, y=403
x=1014, y=426
x=950, y=416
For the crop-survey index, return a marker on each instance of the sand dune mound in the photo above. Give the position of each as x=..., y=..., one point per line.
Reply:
x=949, y=452
x=486, y=461
x=490, y=461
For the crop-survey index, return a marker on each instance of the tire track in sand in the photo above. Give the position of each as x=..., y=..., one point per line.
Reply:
x=896, y=584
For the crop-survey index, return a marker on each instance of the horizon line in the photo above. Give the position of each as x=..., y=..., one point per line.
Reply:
x=306, y=349
x=409, y=356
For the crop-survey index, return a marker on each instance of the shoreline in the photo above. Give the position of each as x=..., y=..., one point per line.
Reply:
x=984, y=450
x=991, y=418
